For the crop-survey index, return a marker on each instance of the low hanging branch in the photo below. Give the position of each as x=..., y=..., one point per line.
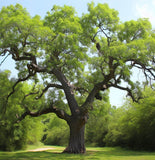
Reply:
x=60, y=113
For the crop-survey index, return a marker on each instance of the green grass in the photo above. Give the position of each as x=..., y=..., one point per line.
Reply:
x=92, y=153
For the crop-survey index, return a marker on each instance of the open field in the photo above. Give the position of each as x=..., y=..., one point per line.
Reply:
x=53, y=153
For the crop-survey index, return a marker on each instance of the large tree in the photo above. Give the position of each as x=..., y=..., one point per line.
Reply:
x=76, y=58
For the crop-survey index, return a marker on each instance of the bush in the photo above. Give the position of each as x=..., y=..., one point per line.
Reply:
x=97, y=125
x=132, y=126
x=57, y=132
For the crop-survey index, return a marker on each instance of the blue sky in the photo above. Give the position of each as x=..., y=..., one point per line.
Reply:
x=128, y=9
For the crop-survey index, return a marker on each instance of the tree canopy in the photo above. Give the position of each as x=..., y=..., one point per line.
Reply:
x=76, y=57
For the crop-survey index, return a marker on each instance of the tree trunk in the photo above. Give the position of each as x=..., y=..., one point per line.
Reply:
x=76, y=141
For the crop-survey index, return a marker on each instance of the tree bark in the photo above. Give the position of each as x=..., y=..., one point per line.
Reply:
x=76, y=141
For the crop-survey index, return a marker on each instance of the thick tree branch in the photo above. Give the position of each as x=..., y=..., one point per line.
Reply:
x=68, y=89
x=90, y=99
x=60, y=113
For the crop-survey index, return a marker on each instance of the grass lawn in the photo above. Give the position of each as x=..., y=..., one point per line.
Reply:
x=104, y=153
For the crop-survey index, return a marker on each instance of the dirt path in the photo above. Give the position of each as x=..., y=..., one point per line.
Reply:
x=40, y=149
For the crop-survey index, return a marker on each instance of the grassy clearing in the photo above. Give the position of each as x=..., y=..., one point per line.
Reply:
x=92, y=153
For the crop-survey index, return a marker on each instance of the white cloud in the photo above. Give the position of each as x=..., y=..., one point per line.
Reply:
x=146, y=9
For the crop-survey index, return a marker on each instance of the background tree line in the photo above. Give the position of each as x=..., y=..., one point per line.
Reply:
x=131, y=126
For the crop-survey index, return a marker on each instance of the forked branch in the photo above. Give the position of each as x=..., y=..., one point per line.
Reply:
x=18, y=81
x=47, y=87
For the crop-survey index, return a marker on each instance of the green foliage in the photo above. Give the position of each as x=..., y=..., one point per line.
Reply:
x=132, y=30
x=13, y=135
x=133, y=125
x=98, y=16
x=35, y=130
x=66, y=50
x=67, y=42
x=121, y=44
x=57, y=132
x=97, y=126
x=18, y=28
